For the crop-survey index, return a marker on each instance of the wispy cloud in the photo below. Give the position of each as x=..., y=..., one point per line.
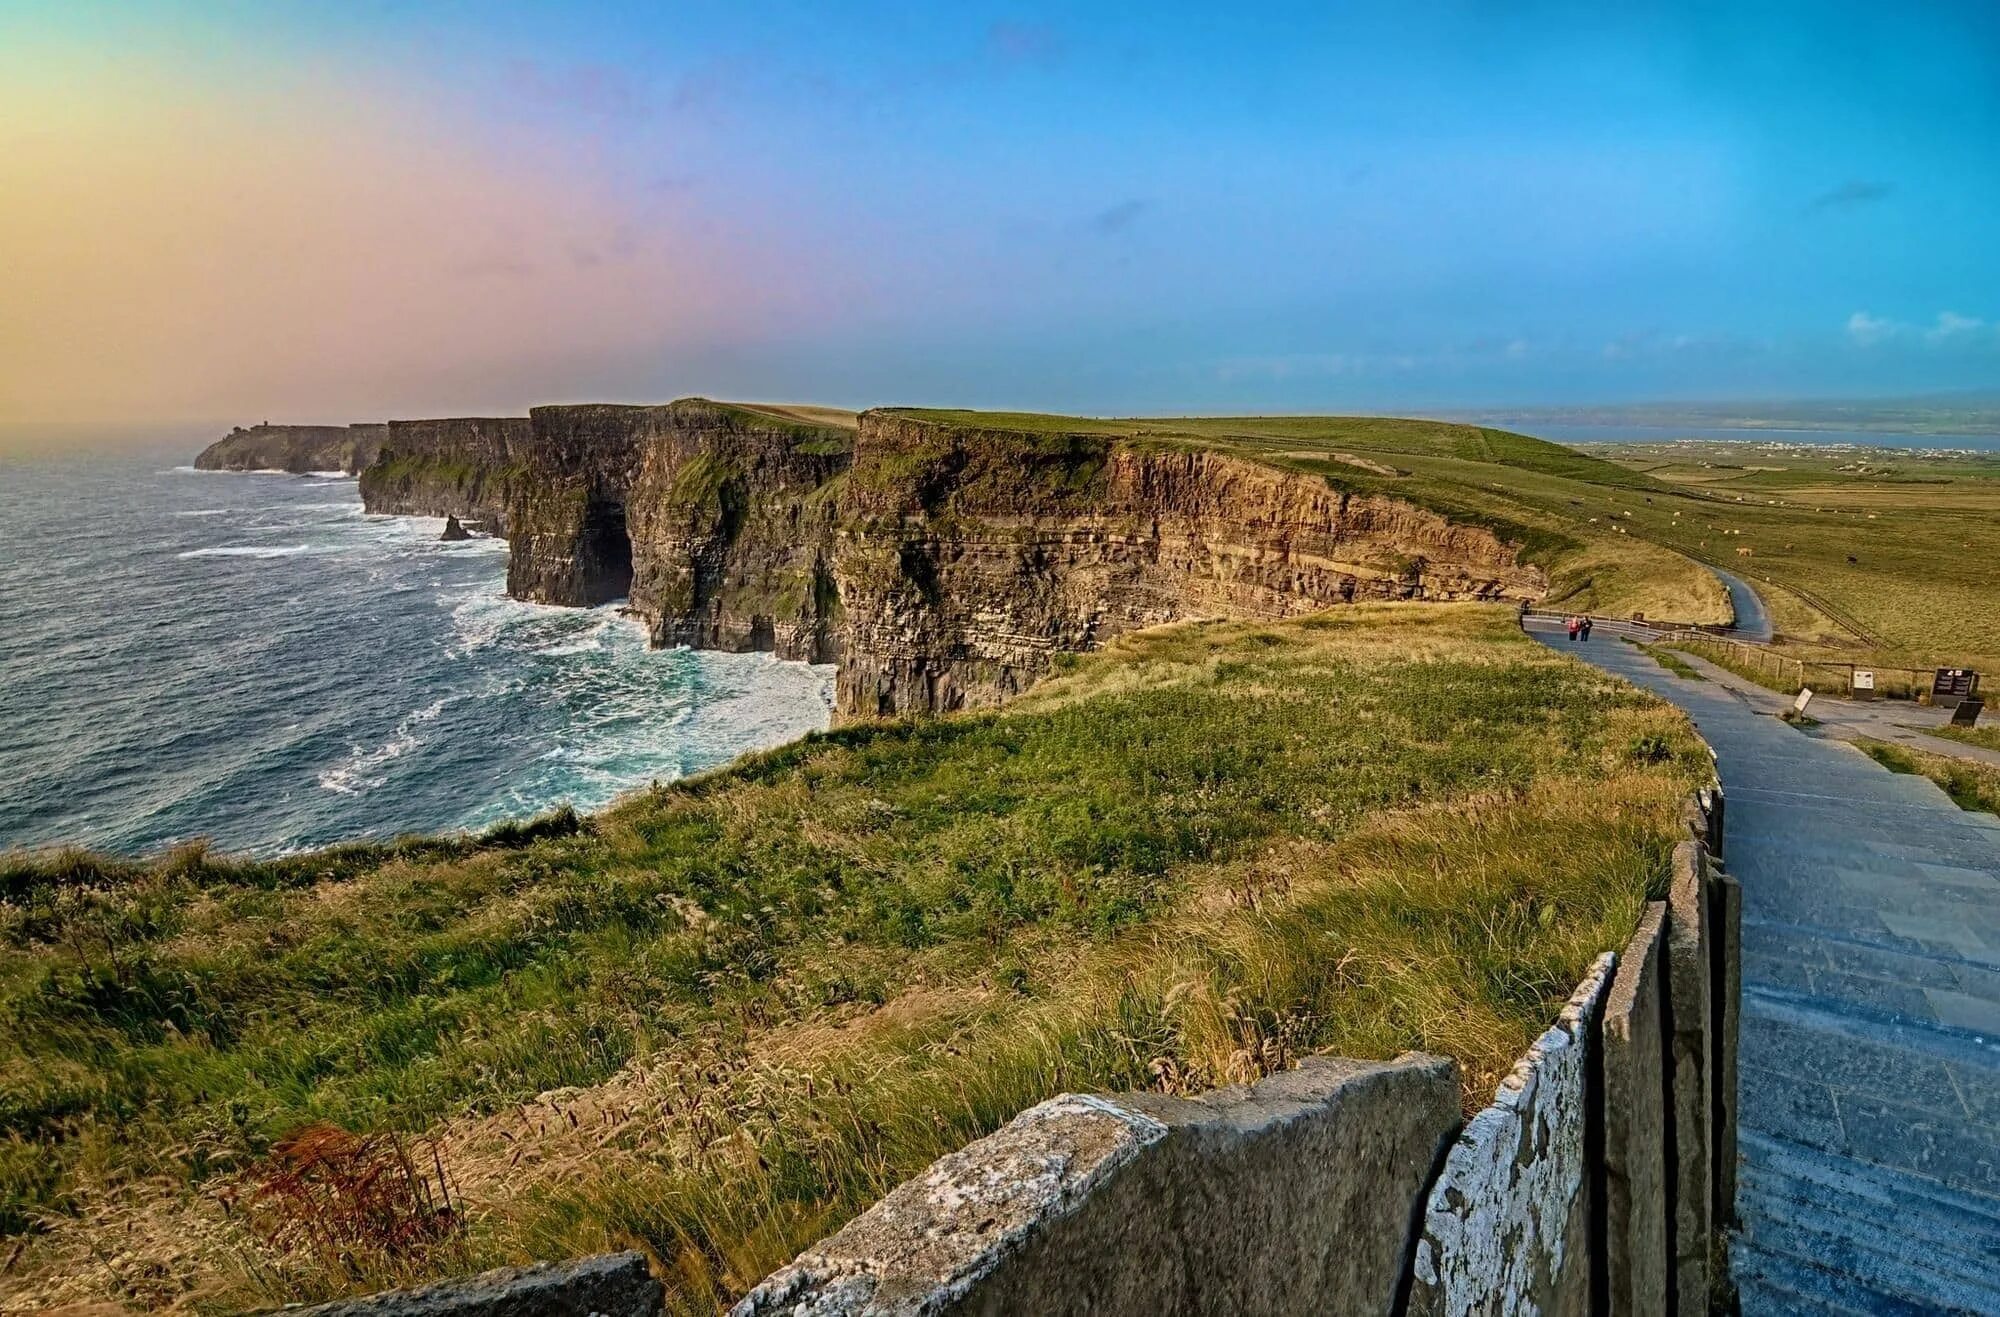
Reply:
x=1951, y=328
x=1868, y=330
x=1950, y=325
x=1854, y=192
x=1121, y=217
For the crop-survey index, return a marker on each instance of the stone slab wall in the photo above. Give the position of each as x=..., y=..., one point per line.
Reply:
x=613, y=1285
x=1691, y=1188
x=1288, y=1196
x=1635, y=1125
x=1507, y=1223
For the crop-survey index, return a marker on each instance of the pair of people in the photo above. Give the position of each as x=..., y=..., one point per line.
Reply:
x=1579, y=627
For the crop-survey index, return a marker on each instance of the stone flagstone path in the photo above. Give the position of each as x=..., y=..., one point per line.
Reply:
x=1869, y=1179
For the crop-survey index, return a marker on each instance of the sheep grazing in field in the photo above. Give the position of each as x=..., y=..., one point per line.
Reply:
x=1745, y=551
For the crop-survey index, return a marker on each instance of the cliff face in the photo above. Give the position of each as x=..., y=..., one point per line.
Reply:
x=566, y=507
x=300, y=448
x=462, y=468
x=733, y=516
x=970, y=557
x=716, y=521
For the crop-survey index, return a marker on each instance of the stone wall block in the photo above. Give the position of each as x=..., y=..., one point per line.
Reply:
x=609, y=1285
x=1637, y=1234
x=1725, y=911
x=1293, y=1195
x=1690, y=1027
x=1506, y=1227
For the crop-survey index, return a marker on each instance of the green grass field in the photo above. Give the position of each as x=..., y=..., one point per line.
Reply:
x=1879, y=555
x=721, y=1017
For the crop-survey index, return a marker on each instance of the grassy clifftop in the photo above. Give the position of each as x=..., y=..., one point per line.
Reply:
x=724, y=1015
x=1566, y=509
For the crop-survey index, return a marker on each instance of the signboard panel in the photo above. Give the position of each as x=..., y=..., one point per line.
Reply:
x=1950, y=685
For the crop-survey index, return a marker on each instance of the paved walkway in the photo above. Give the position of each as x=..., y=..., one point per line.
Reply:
x=1870, y=1049
x=1882, y=720
x=1752, y=621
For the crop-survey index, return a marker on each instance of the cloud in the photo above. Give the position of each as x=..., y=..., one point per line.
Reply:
x=1023, y=43
x=1868, y=330
x=1121, y=217
x=1854, y=192
x=1950, y=325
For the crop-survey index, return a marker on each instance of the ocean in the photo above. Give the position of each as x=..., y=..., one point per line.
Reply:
x=248, y=658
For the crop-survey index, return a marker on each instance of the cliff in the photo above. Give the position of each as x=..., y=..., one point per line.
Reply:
x=942, y=560
x=464, y=468
x=970, y=556
x=717, y=521
x=944, y=565
x=348, y=448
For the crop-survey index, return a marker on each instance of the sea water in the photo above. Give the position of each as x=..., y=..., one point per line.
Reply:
x=251, y=659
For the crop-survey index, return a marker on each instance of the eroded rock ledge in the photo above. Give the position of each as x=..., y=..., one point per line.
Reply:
x=941, y=565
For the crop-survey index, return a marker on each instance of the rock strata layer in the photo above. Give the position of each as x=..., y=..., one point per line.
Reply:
x=942, y=565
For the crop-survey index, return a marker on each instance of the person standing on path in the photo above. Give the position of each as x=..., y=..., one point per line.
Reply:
x=1584, y=627
x=1571, y=622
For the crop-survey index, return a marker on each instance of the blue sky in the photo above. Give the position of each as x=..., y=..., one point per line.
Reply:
x=1102, y=208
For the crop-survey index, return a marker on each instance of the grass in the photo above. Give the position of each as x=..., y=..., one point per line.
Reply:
x=723, y=1016
x=1758, y=664
x=1667, y=659
x=1885, y=549
x=1986, y=738
x=1972, y=786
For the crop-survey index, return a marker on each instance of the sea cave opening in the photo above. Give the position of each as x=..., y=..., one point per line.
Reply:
x=607, y=559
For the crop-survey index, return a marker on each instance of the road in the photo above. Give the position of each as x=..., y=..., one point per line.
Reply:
x=1753, y=622
x=1870, y=1050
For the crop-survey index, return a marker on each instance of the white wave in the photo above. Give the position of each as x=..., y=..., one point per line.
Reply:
x=204, y=512
x=361, y=771
x=251, y=551
x=655, y=715
x=486, y=616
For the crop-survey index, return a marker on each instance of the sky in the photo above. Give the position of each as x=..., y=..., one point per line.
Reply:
x=233, y=212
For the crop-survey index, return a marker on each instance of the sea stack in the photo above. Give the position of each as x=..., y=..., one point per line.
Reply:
x=454, y=531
